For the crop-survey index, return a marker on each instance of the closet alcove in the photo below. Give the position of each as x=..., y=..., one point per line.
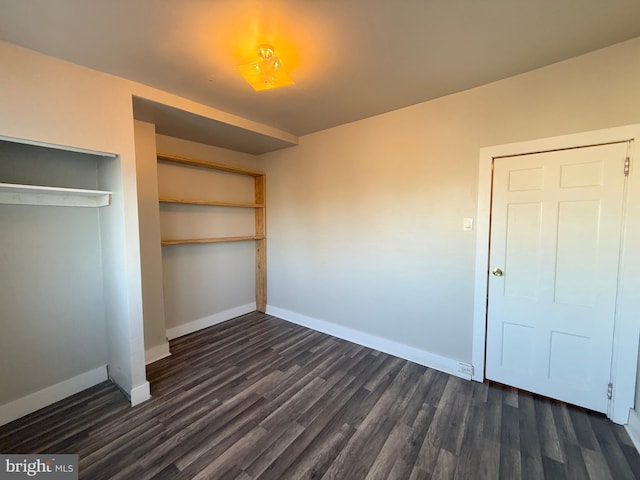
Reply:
x=202, y=230
x=61, y=240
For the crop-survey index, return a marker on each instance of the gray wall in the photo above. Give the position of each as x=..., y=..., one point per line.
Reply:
x=365, y=219
x=52, y=309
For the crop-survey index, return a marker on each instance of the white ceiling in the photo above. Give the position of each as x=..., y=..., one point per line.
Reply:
x=350, y=59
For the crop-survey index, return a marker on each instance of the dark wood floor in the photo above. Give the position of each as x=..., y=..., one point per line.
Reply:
x=258, y=397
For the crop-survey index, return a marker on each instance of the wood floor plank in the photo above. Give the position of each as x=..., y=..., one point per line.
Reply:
x=416, y=400
x=480, y=392
x=411, y=449
x=492, y=427
x=360, y=452
x=434, y=395
x=489, y=467
x=344, y=409
x=347, y=385
x=198, y=458
x=584, y=432
x=631, y=454
x=510, y=396
x=470, y=455
x=549, y=442
x=510, y=463
x=553, y=468
x=575, y=466
x=563, y=423
x=170, y=472
x=389, y=365
x=122, y=453
x=445, y=465
x=386, y=458
x=426, y=459
x=596, y=464
x=315, y=459
x=530, y=456
x=273, y=450
x=448, y=426
x=260, y=398
x=22, y=427
x=418, y=474
x=358, y=455
x=510, y=427
x=616, y=460
x=233, y=455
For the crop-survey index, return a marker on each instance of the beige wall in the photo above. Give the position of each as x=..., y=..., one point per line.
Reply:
x=50, y=101
x=155, y=339
x=365, y=219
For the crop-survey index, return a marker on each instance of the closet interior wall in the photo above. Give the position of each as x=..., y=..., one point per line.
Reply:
x=52, y=293
x=204, y=284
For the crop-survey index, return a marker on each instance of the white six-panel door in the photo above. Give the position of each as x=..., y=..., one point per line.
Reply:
x=555, y=244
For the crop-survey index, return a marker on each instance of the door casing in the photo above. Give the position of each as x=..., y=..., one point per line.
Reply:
x=626, y=330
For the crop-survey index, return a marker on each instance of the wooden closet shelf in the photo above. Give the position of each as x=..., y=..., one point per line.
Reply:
x=166, y=157
x=16, y=194
x=190, y=241
x=259, y=210
x=214, y=203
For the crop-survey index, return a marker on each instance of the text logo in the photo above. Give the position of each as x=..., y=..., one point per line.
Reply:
x=51, y=467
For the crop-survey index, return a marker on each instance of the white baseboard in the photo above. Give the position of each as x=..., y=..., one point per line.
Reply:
x=633, y=428
x=195, y=325
x=391, y=347
x=140, y=394
x=35, y=401
x=156, y=353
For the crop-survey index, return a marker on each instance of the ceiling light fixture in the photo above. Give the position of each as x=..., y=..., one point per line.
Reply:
x=266, y=73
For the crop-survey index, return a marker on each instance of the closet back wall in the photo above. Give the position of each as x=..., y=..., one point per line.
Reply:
x=205, y=284
x=52, y=310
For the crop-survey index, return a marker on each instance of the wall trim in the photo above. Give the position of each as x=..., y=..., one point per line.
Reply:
x=413, y=354
x=42, y=398
x=140, y=394
x=156, y=353
x=633, y=428
x=199, y=324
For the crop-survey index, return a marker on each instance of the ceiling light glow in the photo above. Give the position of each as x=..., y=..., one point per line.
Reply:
x=267, y=73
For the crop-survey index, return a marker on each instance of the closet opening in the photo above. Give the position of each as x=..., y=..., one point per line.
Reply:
x=62, y=258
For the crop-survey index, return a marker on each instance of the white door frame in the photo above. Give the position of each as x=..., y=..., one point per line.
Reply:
x=626, y=330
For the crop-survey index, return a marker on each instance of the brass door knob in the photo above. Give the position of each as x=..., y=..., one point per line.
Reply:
x=496, y=272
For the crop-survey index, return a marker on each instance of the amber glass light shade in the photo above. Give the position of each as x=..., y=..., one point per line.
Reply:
x=267, y=73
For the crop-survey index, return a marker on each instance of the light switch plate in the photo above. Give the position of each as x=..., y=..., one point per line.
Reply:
x=467, y=224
